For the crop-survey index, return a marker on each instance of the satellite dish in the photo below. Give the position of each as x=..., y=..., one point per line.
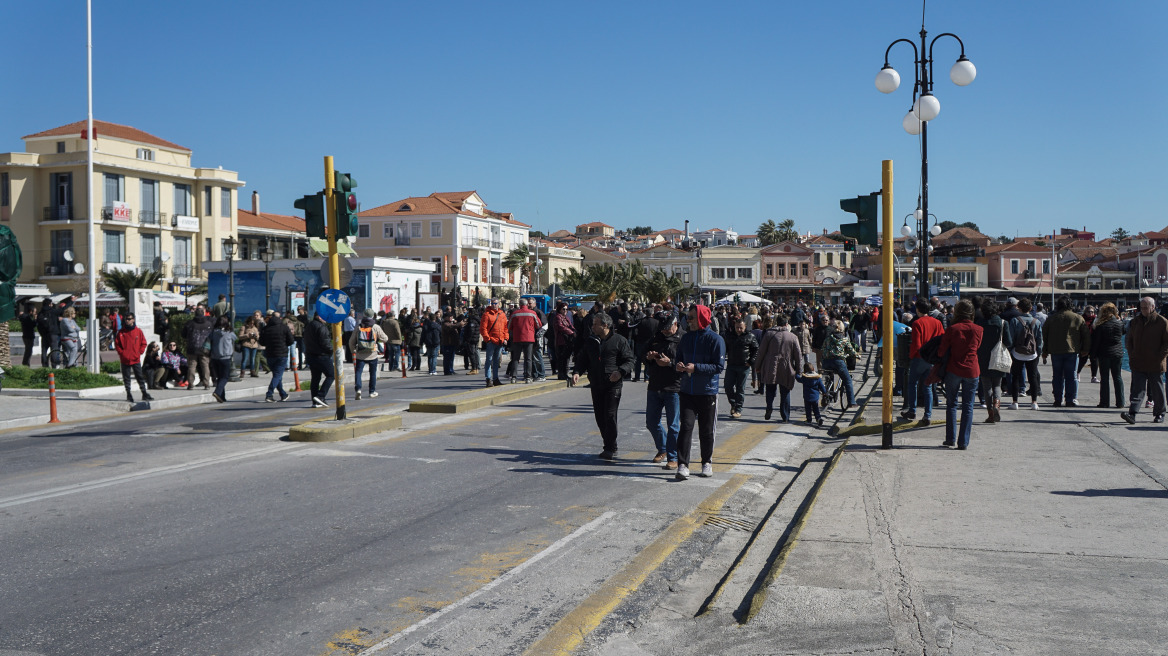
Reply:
x=79, y=268
x=910, y=244
x=165, y=256
x=68, y=255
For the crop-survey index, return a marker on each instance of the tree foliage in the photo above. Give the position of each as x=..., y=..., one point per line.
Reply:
x=639, y=230
x=1120, y=234
x=123, y=282
x=518, y=259
x=625, y=280
x=772, y=233
x=949, y=225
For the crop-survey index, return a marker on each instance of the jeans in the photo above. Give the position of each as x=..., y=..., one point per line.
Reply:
x=392, y=353
x=491, y=365
x=665, y=438
x=605, y=404
x=840, y=367
x=432, y=359
x=448, y=359
x=248, y=363
x=222, y=367
x=277, y=382
x=967, y=387
x=537, y=370
x=736, y=386
x=359, y=366
x=293, y=356
x=321, y=366
x=918, y=370
x=1064, y=375
x=784, y=400
x=1110, y=367
x=702, y=409
x=1144, y=385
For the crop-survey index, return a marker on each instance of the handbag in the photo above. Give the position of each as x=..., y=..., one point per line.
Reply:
x=1000, y=359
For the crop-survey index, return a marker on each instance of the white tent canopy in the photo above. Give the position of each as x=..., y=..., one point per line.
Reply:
x=741, y=297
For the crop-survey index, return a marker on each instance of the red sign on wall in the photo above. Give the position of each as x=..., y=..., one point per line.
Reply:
x=483, y=270
x=464, y=273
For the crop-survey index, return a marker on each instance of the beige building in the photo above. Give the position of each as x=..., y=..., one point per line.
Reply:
x=155, y=211
x=727, y=269
x=454, y=230
x=557, y=261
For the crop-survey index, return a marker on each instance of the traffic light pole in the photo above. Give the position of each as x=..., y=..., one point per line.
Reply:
x=334, y=281
x=887, y=304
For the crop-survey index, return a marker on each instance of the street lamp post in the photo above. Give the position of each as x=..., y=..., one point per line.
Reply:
x=925, y=108
x=229, y=245
x=267, y=255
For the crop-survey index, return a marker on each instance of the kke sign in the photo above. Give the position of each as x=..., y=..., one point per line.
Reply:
x=333, y=305
x=121, y=211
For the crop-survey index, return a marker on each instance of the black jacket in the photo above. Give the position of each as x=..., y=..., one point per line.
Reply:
x=197, y=332
x=431, y=333
x=318, y=339
x=741, y=349
x=276, y=337
x=646, y=330
x=603, y=357
x=1107, y=339
x=663, y=379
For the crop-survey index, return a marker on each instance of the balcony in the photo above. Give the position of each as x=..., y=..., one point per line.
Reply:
x=497, y=280
x=496, y=244
x=186, y=271
x=475, y=242
x=401, y=241
x=61, y=268
x=151, y=219
x=58, y=214
x=158, y=268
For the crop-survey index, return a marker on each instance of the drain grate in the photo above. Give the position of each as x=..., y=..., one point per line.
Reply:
x=730, y=523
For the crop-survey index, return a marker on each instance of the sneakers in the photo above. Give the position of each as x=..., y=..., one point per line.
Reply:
x=129, y=397
x=357, y=396
x=1074, y=403
x=317, y=402
x=1128, y=417
x=909, y=415
x=283, y=397
x=541, y=379
x=373, y=395
x=215, y=395
x=682, y=473
x=1094, y=379
x=660, y=457
x=1058, y=404
x=1014, y=405
x=268, y=399
x=707, y=470
x=734, y=414
x=1034, y=405
x=496, y=382
x=607, y=455
x=1158, y=419
x=948, y=443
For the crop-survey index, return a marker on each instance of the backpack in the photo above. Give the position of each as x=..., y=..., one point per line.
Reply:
x=1026, y=344
x=366, y=340
x=930, y=349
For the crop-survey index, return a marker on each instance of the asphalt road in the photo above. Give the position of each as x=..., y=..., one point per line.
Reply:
x=198, y=531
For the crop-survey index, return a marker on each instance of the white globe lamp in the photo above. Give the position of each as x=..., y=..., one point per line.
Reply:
x=935, y=230
x=912, y=124
x=927, y=107
x=905, y=230
x=963, y=72
x=887, y=80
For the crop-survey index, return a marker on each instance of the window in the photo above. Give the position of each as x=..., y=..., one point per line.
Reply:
x=150, y=251
x=805, y=269
x=435, y=228
x=817, y=259
x=1014, y=267
x=223, y=248
x=207, y=191
x=146, y=154
x=225, y=202
x=149, y=205
x=5, y=190
x=115, y=245
x=416, y=229
x=782, y=268
x=207, y=249
x=745, y=274
x=1046, y=267
x=717, y=273
x=60, y=146
x=363, y=230
x=115, y=188
x=829, y=260
x=182, y=199
x=387, y=231
x=770, y=270
x=62, y=240
x=1030, y=267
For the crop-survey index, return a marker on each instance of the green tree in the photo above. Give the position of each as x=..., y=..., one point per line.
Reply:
x=786, y=230
x=123, y=281
x=659, y=287
x=969, y=224
x=537, y=234
x=1120, y=234
x=768, y=233
x=640, y=230
x=946, y=226
x=518, y=259
x=1003, y=239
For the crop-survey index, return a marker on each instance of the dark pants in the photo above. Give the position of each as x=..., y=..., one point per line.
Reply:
x=49, y=346
x=1144, y=385
x=1031, y=369
x=472, y=350
x=200, y=360
x=1111, y=367
x=812, y=408
x=28, y=342
x=137, y=371
x=321, y=366
x=784, y=400
x=1063, y=376
x=415, y=358
x=448, y=359
x=222, y=367
x=300, y=352
x=703, y=409
x=605, y=404
x=526, y=349
x=639, y=360
x=736, y=386
x=345, y=340
x=392, y=353
x=563, y=352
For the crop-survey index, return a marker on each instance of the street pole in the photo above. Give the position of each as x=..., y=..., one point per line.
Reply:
x=334, y=281
x=887, y=302
x=91, y=325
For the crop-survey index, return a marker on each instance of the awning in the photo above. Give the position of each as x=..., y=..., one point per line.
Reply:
x=114, y=299
x=741, y=297
x=320, y=246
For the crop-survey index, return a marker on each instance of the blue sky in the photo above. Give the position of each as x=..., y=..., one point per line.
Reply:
x=631, y=113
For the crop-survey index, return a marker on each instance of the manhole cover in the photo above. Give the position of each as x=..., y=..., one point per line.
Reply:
x=729, y=523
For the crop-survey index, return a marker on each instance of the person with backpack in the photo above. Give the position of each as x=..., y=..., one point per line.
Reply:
x=1025, y=338
x=432, y=339
x=367, y=343
x=836, y=349
x=925, y=328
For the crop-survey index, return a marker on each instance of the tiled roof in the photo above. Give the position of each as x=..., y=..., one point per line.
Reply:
x=1018, y=247
x=438, y=203
x=594, y=224
x=1076, y=267
x=962, y=232
x=560, y=233
x=111, y=130
x=823, y=239
x=268, y=221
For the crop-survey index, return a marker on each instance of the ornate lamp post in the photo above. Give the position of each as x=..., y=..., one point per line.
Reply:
x=925, y=108
x=229, y=245
x=267, y=255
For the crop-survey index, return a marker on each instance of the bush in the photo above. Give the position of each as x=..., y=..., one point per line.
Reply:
x=113, y=368
x=75, y=378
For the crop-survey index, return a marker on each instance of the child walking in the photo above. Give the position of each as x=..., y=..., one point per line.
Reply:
x=812, y=388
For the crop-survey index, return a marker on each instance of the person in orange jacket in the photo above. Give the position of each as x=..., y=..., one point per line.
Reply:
x=493, y=328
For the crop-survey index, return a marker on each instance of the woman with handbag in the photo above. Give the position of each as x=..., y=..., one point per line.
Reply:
x=993, y=358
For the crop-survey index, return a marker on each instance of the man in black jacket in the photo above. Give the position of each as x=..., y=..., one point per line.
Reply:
x=28, y=327
x=318, y=353
x=664, y=385
x=607, y=359
x=276, y=337
x=197, y=335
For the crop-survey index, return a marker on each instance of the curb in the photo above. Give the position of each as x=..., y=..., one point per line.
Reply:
x=332, y=430
x=89, y=393
x=466, y=401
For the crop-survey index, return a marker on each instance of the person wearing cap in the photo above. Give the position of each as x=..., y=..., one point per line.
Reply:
x=607, y=358
x=493, y=329
x=701, y=356
x=367, y=342
x=664, y=383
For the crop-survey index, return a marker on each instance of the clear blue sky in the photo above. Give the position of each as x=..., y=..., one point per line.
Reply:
x=631, y=113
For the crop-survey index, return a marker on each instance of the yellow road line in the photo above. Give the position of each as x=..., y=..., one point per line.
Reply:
x=569, y=633
x=730, y=453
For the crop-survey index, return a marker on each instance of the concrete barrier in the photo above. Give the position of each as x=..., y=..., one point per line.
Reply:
x=332, y=430
x=466, y=401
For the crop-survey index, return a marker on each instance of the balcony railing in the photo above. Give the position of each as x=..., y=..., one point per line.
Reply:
x=476, y=242
x=57, y=268
x=496, y=244
x=58, y=214
x=401, y=241
x=186, y=271
x=159, y=267
x=151, y=218
x=497, y=280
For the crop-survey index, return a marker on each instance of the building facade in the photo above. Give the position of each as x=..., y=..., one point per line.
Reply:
x=154, y=211
x=788, y=270
x=728, y=269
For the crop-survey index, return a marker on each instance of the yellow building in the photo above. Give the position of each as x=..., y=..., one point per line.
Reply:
x=155, y=211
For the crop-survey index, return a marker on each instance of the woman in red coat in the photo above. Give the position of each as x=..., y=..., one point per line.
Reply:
x=960, y=344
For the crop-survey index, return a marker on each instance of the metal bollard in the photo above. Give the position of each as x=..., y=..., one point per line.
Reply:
x=53, y=399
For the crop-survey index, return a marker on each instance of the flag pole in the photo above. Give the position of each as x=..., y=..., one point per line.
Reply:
x=92, y=325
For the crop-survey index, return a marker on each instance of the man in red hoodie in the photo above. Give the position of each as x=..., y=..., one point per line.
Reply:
x=924, y=328
x=130, y=344
x=523, y=325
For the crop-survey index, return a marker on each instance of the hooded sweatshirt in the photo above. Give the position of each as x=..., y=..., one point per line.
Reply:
x=706, y=350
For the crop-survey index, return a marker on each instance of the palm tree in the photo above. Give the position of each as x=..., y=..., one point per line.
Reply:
x=768, y=233
x=786, y=231
x=517, y=260
x=123, y=281
x=659, y=286
x=576, y=281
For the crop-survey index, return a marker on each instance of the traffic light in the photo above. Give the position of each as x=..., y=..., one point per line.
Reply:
x=346, y=205
x=866, y=230
x=314, y=214
x=849, y=245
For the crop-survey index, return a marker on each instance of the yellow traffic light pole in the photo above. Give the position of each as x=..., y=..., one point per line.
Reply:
x=887, y=302
x=334, y=281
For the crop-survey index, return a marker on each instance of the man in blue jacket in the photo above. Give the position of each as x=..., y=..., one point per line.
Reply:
x=701, y=356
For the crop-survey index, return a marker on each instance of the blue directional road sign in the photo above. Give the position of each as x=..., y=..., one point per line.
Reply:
x=333, y=305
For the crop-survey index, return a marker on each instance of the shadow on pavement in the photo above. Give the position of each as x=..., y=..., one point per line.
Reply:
x=1133, y=492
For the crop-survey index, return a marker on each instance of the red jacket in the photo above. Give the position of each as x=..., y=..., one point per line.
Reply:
x=524, y=323
x=130, y=344
x=493, y=326
x=923, y=329
x=961, y=342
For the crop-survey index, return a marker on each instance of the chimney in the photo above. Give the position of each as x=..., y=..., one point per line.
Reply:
x=255, y=203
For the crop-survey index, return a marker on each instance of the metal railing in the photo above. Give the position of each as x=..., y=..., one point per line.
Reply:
x=496, y=244
x=58, y=214
x=497, y=280
x=401, y=241
x=151, y=218
x=186, y=271
x=159, y=268
x=476, y=242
